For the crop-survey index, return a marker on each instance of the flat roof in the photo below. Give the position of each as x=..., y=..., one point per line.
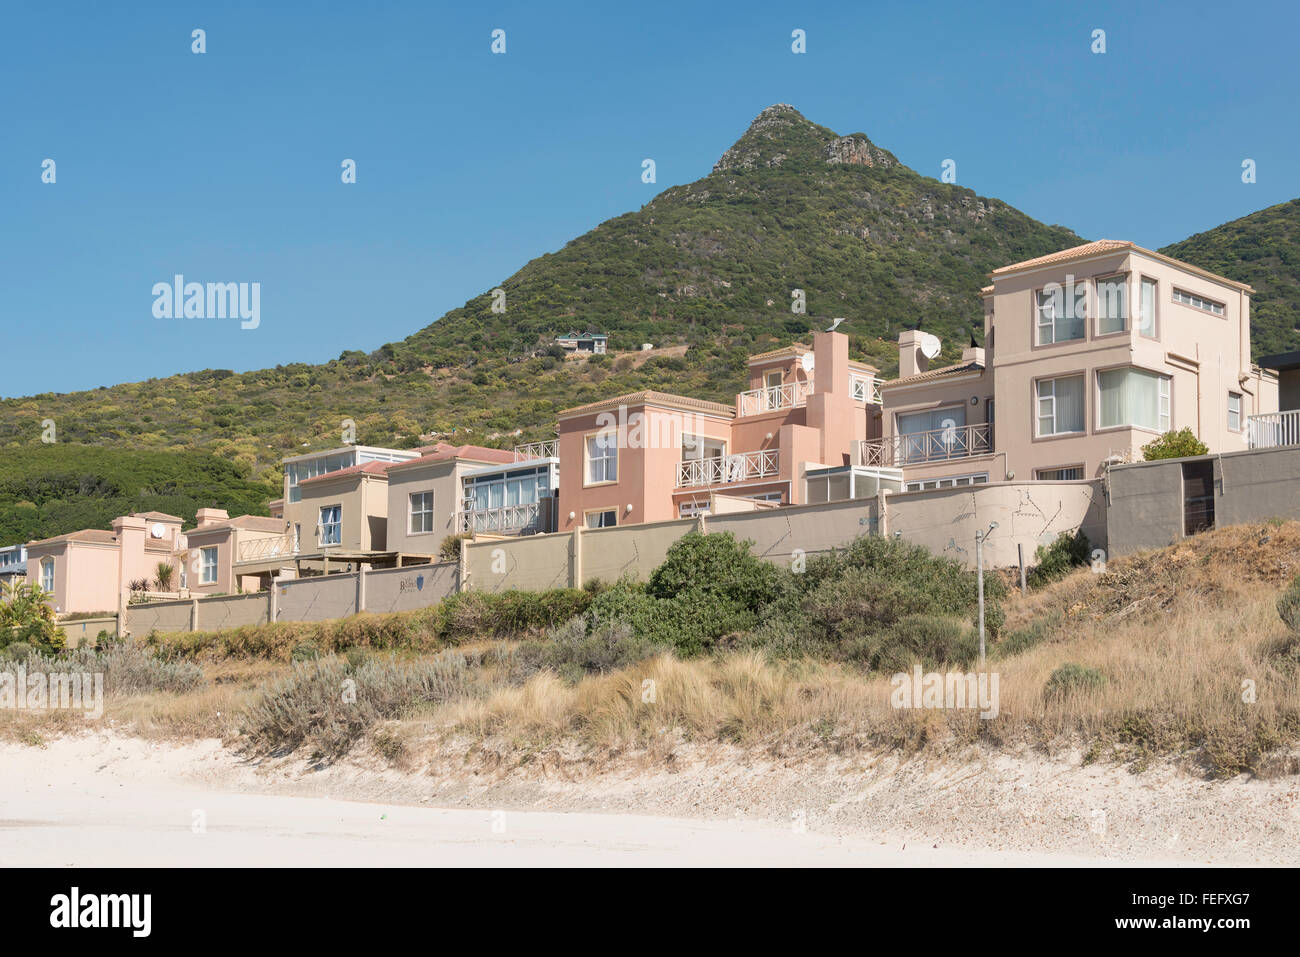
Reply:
x=511, y=466
x=1279, y=361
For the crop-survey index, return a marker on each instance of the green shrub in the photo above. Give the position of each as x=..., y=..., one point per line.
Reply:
x=1072, y=678
x=305, y=651
x=1067, y=552
x=931, y=640
x=1174, y=445
x=27, y=616
x=1288, y=605
x=314, y=705
x=1021, y=640
x=449, y=550
x=127, y=668
x=356, y=657
x=581, y=647
x=17, y=651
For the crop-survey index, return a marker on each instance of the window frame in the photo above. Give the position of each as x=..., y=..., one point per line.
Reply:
x=47, y=563
x=1037, y=339
x=1155, y=307
x=1241, y=419
x=586, y=518
x=412, y=512
x=587, y=459
x=1201, y=304
x=1037, y=433
x=321, y=525
x=204, y=565
x=1126, y=326
x=1164, y=400
x=1038, y=473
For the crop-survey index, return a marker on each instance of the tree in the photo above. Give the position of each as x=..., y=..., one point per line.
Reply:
x=27, y=615
x=1174, y=445
x=165, y=571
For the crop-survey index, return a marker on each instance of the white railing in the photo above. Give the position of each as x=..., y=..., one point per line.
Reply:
x=537, y=450
x=1268, y=430
x=506, y=520
x=865, y=388
x=773, y=397
x=936, y=445
x=728, y=468
x=258, y=549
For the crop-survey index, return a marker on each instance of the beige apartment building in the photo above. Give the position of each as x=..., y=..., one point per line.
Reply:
x=1090, y=353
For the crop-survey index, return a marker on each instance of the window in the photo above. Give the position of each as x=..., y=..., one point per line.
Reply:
x=605, y=518
x=1234, y=411
x=948, y=481
x=936, y=434
x=1198, y=302
x=697, y=447
x=301, y=471
x=1072, y=474
x=1060, y=405
x=208, y=565
x=1135, y=398
x=47, y=574
x=297, y=538
x=1061, y=313
x=1147, y=309
x=421, y=512
x=185, y=578
x=602, y=458
x=692, y=509
x=1112, y=305
x=331, y=524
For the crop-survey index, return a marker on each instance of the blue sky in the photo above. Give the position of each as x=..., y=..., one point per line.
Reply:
x=225, y=166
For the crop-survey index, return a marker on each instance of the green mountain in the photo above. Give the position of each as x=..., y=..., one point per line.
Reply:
x=47, y=490
x=704, y=271
x=1262, y=249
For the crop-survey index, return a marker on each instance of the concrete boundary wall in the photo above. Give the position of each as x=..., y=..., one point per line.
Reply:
x=1146, y=498
x=87, y=629
x=943, y=520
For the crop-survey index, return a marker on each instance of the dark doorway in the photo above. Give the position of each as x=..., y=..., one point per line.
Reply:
x=1198, y=496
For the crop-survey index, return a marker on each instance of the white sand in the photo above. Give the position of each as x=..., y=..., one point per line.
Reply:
x=102, y=800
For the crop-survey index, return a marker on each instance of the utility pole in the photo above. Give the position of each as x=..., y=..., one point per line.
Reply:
x=979, y=573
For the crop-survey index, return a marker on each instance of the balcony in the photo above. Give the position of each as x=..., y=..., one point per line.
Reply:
x=865, y=388
x=772, y=398
x=262, y=549
x=727, y=469
x=936, y=445
x=537, y=450
x=525, y=519
x=1269, y=430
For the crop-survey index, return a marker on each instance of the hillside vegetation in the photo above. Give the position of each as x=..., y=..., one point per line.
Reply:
x=47, y=490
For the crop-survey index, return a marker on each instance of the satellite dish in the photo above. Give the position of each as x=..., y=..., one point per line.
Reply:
x=930, y=345
x=807, y=362
x=157, y=530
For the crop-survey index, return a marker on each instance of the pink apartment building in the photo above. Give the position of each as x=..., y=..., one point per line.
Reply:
x=651, y=456
x=1090, y=353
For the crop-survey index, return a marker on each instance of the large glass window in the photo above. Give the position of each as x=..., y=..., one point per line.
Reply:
x=1060, y=405
x=696, y=447
x=47, y=574
x=1134, y=397
x=208, y=565
x=331, y=524
x=1062, y=311
x=1234, y=411
x=1112, y=305
x=602, y=458
x=606, y=518
x=1147, y=309
x=310, y=468
x=421, y=512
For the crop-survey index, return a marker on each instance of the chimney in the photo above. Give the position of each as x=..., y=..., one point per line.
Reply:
x=831, y=362
x=210, y=516
x=972, y=354
x=910, y=359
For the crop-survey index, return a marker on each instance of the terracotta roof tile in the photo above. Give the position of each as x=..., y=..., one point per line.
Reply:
x=935, y=374
x=1065, y=255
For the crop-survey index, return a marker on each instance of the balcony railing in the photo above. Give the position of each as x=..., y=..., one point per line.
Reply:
x=727, y=469
x=260, y=549
x=1268, y=430
x=506, y=520
x=537, y=450
x=865, y=388
x=936, y=445
x=773, y=397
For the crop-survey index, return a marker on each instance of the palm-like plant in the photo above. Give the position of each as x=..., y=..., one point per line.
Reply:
x=165, y=572
x=27, y=615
